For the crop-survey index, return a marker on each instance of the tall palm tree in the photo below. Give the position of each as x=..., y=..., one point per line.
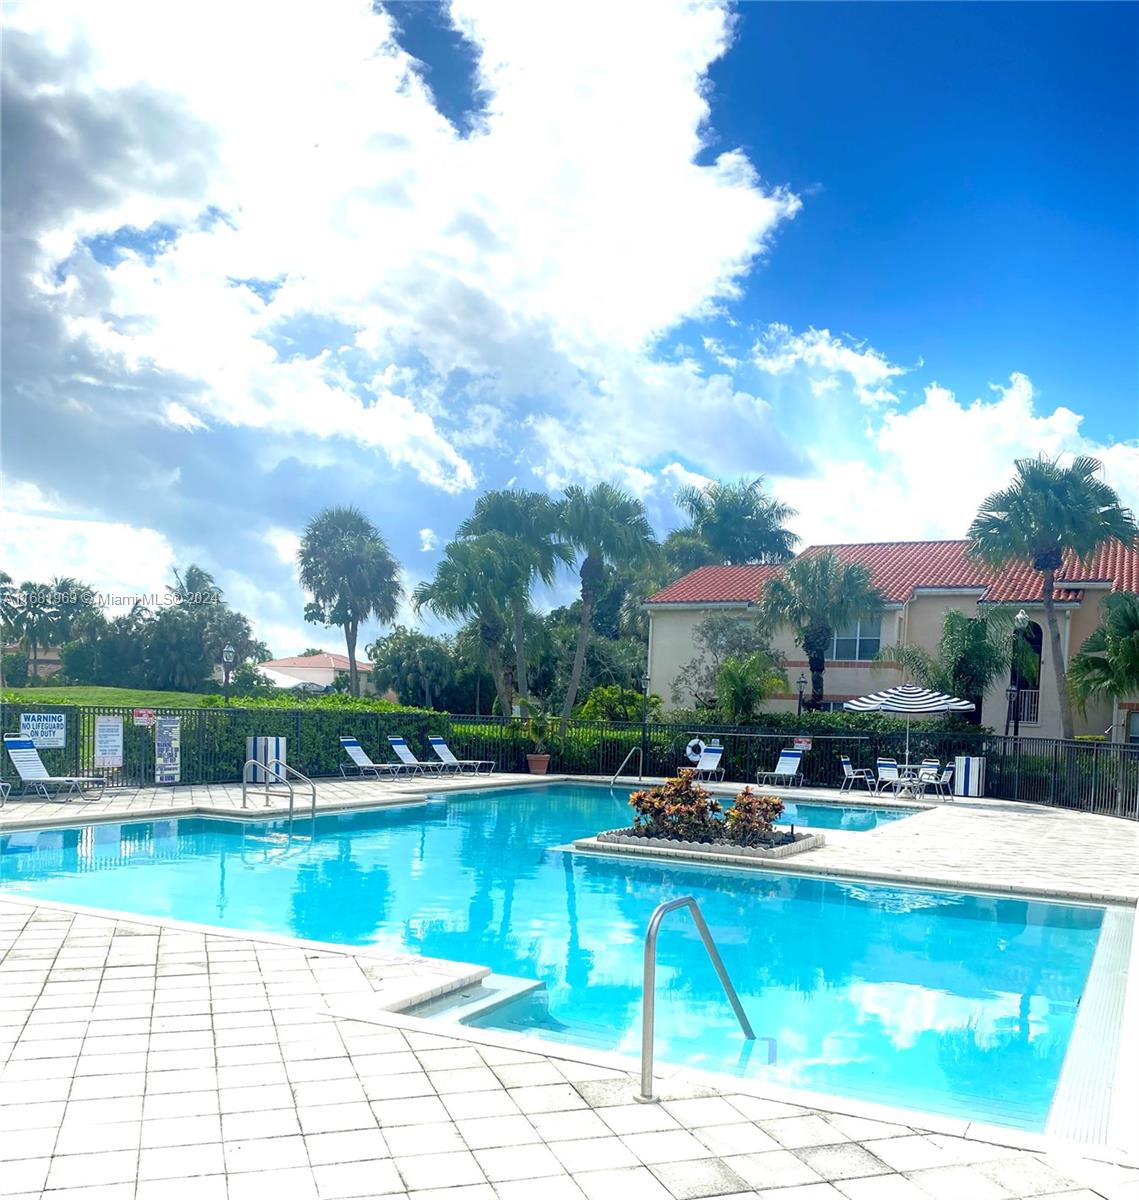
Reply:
x=1107, y=664
x=193, y=583
x=1046, y=510
x=529, y=520
x=73, y=605
x=346, y=566
x=816, y=595
x=738, y=522
x=471, y=577
x=608, y=527
x=36, y=620
x=8, y=606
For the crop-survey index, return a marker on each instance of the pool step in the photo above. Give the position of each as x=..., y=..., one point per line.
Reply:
x=472, y=1001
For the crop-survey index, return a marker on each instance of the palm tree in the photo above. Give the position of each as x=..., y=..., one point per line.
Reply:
x=73, y=605
x=816, y=595
x=744, y=683
x=738, y=522
x=471, y=577
x=192, y=584
x=529, y=520
x=36, y=620
x=351, y=574
x=1107, y=664
x=608, y=527
x=1046, y=510
x=8, y=606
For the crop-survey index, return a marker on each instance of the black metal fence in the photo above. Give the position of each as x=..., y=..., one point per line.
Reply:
x=1098, y=777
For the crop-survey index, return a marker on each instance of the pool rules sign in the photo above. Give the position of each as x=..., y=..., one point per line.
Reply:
x=108, y=741
x=167, y=749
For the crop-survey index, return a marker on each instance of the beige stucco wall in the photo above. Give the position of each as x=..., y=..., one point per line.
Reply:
x=919, y=622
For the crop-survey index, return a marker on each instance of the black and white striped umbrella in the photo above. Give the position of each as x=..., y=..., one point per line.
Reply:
x=908, y=700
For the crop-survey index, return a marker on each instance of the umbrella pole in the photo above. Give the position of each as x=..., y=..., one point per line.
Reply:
x=907, y=741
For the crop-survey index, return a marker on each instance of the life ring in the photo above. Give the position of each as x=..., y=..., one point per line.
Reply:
x=694, y=749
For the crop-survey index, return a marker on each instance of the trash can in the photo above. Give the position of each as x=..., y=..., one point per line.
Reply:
x=968, y=776
x=264, y=750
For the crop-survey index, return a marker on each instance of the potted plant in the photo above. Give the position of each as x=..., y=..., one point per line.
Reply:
x=538, y=730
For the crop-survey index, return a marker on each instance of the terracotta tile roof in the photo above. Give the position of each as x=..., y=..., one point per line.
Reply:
x=321, y=662
x=899, y=569
x=715, y=585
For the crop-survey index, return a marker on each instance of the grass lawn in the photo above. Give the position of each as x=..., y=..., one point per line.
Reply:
x=119, y=697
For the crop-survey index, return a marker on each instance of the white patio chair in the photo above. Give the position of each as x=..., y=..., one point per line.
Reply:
x=708, y=765
x=447, y=758
x=361, y=764
x=889, y=777
x=408, y=760
x=34, y=775
x=852, y=775
x=786, y=769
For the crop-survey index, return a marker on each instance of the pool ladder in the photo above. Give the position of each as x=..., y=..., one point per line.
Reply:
x=625, y=762
x=279, y=772
x=648, y=1017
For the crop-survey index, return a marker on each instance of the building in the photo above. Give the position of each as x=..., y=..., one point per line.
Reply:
x=317, y=669
x=921, y=581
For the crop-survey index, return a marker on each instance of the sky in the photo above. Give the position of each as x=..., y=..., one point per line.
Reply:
x=263, y=258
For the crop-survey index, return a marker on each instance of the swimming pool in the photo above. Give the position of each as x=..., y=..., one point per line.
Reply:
x=945, y=1002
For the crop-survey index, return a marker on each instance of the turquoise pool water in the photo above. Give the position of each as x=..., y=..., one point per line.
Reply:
x=945, y=1002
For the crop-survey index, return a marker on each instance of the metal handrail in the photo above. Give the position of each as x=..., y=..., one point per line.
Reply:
x=278, y=776
x=624, y=762
x=649, y=1010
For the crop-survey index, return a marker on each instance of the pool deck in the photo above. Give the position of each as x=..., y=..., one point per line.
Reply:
x=146, y=1058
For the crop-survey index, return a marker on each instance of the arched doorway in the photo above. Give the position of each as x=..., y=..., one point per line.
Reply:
x=1025, y=673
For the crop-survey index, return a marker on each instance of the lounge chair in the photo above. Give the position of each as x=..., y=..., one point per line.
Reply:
x=889, y=777
x=412, y=764
x=361, y=764
x=474, y=765
x=786, y=769
x=708, y=765
x=33, y=774
x=852, y=775
x=5, y=791
x=939, y=782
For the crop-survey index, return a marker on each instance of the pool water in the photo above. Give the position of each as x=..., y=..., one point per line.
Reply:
x=939, y=1001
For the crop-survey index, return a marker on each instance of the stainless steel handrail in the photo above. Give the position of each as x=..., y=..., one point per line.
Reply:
x=649, y=1011
x=640, y=765
x=280, y=771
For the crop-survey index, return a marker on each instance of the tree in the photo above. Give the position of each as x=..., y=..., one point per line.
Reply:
x=717, y=638
x=738, y=522
x=744, y=683
x=529, y=520
x=471, y=577
x=416, y=666
x=608, y=527
x=1107, y=664
x=972, y=653
x=74, y=604
x=1047, y=510
x=815, y=596
x=346, y=566
x=611, y=702
x=36, y=621
x=174, y=658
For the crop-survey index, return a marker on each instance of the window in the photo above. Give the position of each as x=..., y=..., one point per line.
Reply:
x=858, y=642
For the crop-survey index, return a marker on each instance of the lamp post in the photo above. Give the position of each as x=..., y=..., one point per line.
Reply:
x=227, y=656
x=801, y=684
x=1020, y=623
x=644, y=720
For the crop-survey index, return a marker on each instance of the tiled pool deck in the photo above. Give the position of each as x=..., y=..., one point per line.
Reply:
x=143, y=1059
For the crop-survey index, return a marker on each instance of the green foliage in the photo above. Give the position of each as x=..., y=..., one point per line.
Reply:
x=416, y=666
x=718, y=638
x=815, y=596
x=751, y=819
x=679, y=808
x=15, y=669
x=744, y=683
x=738, y=523
x=611, y=702
x=1107, y=664
x=247, y=680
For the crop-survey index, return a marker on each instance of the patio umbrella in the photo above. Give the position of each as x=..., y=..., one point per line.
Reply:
x=909, y=700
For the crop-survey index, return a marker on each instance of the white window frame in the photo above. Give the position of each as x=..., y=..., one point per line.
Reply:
x=832, y=654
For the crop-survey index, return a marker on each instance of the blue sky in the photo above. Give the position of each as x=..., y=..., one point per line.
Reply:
x=396, y=256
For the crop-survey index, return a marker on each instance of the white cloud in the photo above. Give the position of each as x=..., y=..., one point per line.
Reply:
x=822, y=356
x=923, y=473
x=285, y=543
x=528, y=257
x=428, y=539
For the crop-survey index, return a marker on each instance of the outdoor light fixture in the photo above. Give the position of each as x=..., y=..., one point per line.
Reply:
x=228, y=654
x=801, y=684
x=1019, y=623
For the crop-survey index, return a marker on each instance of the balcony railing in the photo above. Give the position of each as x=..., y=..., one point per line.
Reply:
x=1029, y=706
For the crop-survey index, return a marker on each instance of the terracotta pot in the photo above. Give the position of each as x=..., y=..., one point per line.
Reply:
x=538, y=763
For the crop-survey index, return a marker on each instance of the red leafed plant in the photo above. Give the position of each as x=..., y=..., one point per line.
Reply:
x=679, y=808
x=750, y=820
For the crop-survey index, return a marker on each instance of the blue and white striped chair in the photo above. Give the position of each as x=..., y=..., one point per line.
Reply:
x=410, y=763
x=786, y=769
x=708, y=764
x=447, y=758
x=361, y=763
